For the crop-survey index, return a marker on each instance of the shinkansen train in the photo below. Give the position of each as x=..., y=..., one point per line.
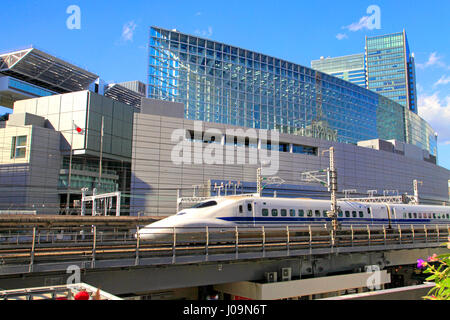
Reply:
x=254, y=211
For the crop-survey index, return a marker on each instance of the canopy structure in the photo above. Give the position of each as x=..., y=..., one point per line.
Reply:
x=46, y=71
x=120, y=93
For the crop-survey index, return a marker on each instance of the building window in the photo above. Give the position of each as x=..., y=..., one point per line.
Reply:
x=19, y=147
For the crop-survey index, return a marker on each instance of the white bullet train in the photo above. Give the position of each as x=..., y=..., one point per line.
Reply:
x=254, y=211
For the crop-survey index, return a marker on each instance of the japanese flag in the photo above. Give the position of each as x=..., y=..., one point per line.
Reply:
x=78, y=129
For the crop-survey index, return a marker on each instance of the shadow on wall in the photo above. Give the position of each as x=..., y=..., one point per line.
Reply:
x=140, y=192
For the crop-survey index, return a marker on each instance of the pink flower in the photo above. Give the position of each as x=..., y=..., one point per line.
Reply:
x=433, y=258
x=421, y=263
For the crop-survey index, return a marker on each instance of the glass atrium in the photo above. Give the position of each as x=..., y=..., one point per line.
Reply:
x=225, y=84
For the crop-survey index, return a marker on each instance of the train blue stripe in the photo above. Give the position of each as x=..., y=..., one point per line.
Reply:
x=275, y=220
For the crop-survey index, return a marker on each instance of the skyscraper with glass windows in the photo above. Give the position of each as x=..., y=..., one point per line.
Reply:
x=226, y=84
x=390, y=68
x=350, y=68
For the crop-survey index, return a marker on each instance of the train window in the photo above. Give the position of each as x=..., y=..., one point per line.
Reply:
x=204, y=204
x=354, y=214
x=301, y=213
x=274, y=212
x=283, y=212
x=434, y=215
x=409, y=215
x=317, y=213
x=292, y=212
x=368, y=211
x=325, y=213
x=240, y=209
x=249, y=206
x=347, y=214
x=265, y=212
x=361, y=214
x=404, y=215
x=340, y=213
x=309, y=213
x=415, y=215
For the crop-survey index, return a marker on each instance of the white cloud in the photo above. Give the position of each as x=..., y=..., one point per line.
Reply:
x=363, y=23
x=436, y=112
x=433, y=60
x=199, y=13
x=341, y=36
x=128, y=31
x=205, y=33
x=443, y=80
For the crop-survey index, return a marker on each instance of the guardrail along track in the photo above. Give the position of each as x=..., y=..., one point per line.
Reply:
x=93, y=244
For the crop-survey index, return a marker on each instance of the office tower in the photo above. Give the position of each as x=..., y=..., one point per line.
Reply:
x=350, y=68
x=390, y=68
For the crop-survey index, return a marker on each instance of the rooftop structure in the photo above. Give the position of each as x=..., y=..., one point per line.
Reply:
x=31, y=73
x=130, y=92
x=42, y=69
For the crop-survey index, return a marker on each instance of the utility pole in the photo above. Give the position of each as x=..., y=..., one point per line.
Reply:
x=70, y=170
x=258, y=182
x=326, y=177
x=333, y=187
x=416, y=190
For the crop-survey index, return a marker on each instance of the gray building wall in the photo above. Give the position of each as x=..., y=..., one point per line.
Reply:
x=30, y=183
x=162, y=108
x=85, y=109
x=155, y=177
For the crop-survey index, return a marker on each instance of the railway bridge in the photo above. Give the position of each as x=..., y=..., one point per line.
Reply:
x=292, y=261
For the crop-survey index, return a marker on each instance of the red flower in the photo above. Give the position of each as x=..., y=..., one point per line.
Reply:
x=82, y=295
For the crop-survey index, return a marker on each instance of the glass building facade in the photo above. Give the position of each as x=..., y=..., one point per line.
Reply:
x=225, y=84
x=350, y=68
x=390, y=68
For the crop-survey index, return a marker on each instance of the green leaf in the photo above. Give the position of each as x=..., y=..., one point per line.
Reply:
x=431, y=277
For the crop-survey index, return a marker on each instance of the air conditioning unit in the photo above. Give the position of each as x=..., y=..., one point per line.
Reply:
x=271, y=277
x=286, y=274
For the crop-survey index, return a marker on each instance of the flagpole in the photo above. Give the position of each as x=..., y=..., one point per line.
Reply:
x=101, y=156
x=70, y=170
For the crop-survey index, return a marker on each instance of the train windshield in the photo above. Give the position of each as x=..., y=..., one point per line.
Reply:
x=204, y=204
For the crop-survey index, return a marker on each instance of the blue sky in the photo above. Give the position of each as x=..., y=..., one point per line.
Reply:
x=112, y=40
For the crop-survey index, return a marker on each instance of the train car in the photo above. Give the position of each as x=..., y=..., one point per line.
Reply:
x=252, y=211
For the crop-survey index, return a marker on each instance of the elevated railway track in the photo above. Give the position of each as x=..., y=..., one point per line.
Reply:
x=41, y=249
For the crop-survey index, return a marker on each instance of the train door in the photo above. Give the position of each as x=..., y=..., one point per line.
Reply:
x=249, y=212
x=240, y=214
x=370, y=214
x=256, y=209
x=389, y=215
